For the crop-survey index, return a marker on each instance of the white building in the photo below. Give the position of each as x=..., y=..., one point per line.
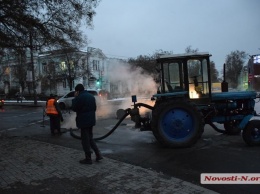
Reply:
x=60, y=71
x=55, y=71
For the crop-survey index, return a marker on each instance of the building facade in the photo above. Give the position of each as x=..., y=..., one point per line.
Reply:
x=61, y=70
x=54, y=71
x=16, y=72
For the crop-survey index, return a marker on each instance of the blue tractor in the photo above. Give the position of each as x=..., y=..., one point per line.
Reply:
x=184, y=103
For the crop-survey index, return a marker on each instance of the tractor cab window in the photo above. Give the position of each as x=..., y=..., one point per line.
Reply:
x=173, y=76
x=198, y=78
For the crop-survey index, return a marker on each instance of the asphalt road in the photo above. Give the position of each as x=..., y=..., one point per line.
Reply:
x=213, y=153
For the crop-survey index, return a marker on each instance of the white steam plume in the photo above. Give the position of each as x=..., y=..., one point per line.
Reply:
x=132, y=82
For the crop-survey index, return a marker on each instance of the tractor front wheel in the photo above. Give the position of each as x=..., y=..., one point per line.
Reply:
x=251, y=133
x=177, y=123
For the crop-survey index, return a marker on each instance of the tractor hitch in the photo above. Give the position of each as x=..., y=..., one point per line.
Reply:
x=140, y=122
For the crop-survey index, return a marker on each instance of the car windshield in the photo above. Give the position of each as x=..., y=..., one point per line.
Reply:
x=71, y=94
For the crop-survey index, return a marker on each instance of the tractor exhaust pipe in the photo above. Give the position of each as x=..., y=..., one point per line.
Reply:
x=224, y=84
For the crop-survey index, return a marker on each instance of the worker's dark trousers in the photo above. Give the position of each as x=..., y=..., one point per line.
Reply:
x=54, y=123
x=87, y=141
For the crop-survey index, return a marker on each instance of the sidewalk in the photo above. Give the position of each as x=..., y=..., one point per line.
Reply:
x=24, y=103
x=30, y=166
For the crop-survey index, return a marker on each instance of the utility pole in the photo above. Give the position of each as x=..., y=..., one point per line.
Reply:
x=32, y=66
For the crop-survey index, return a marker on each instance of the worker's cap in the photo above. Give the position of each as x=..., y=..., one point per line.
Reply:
x=79, y=87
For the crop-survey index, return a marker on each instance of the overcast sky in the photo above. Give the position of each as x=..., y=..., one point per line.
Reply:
x=129, y=28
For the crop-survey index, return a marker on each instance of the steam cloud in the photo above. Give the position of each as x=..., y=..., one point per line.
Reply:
x=134, y=81
x=130, y=82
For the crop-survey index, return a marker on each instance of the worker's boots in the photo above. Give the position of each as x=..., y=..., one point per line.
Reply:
x=98, y=156
x=87, y=160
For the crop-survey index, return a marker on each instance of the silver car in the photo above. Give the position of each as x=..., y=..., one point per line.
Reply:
x=65, y=101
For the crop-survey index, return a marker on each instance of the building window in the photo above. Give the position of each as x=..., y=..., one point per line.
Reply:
x=15, y=69
x=72, y=66
x=7, y=71
x=95, y=65
x=64, y=83
x=44, y=67
x=63, y=65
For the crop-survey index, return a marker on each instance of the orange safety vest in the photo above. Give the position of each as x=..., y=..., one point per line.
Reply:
x=51, y=109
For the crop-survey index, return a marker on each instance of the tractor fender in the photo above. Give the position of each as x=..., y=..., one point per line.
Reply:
x=244, y=121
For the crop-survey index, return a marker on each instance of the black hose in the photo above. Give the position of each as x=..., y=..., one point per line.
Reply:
x=145, y=105
x=106, y=135
x=216, y=129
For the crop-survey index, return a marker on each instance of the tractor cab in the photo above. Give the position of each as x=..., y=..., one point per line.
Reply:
x=186, y=75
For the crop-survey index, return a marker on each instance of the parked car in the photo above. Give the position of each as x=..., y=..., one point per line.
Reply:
x=65, y=101
x=103, y=94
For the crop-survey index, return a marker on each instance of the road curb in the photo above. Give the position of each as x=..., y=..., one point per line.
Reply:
x=25, y=104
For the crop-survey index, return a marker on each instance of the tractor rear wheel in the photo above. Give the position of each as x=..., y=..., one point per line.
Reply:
x=177, y=123
x=231, y=127
x=251, y=133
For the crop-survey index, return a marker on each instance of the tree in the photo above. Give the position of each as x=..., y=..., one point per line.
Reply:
x=48, y=22
x=234, y=64
x=65, y=64
x=75, y=65
x=148, y=63
x=193, y=66
x=20, y=72
x=13, y=62
x=37, y=24
x=213, y=72
x=190, y=50
x=49, y=79
x=145, y=62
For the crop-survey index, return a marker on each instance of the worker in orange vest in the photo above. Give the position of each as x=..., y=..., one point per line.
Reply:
x=54, y=112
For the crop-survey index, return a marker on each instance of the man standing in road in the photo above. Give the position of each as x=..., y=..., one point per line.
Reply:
x=54, y=112
x=19, y=97
x=84, y=104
